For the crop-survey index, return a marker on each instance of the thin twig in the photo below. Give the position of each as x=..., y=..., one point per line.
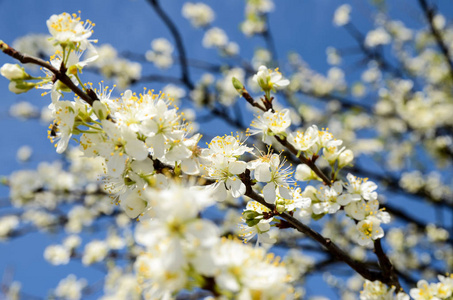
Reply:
x=269, y=39
x=26, y=59
x=430, y=14
x=185, y=76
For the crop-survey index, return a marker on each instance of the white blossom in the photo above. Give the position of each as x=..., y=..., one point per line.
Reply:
x=377, y=37
x=341, y=16
x=215, y=38
x=270, y=124
x=199, y=14
x=57, y=254
x=95, y=251
x=67, y=28
x=70, y=288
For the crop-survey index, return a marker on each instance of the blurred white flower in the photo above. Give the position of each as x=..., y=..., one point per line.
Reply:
x=341, y=16
x=377, y=37
x=57, y=254
x=215, y=38
x=8, y=224
x=70, y=288
x=199, y=14
x=24, y=153
x=94, y=252
x=23, y=110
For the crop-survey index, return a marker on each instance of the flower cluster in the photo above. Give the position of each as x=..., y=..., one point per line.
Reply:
x=269, y=80
x=440, y=290
x=378, y=290
x=424, y=290
x=255, y=20
x=161, y=53
x=183, y=251
x=132, y=136
x=199, y=14
x=68, y=30
x=223, y=165
x=357, y=196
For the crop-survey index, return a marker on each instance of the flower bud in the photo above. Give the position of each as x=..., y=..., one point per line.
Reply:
x=252, y=217
x=345, y=158
x=13, y=72
x=19, y=87
x=280, y=208
x=100, y=110
x=280, y=205
x=238, y=85
x=304, y=173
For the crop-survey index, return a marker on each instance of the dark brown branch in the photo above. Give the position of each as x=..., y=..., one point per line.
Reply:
x=372, y=55
x=344, y=102
x=252, y=101
x=429, y=14
x=185, y=77
x=330, y=246
x=388, y=271
x=269, y=39
x=285, y=143
x=161, y=78
x=26, y=59
x=309, y=162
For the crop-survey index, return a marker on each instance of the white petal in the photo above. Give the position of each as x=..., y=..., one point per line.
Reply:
x=344, y=199
x=133, y=205
x=219, y=191
x=319, y=208
x=190, y=166
x=285, y=192
x=303, y=172
x=263, y=173
x=269, y=193
x=236, y=187
x=227, y=281
x=63, y=143
x=157, y=142
x=237, y=167
x=333, y=208
x=178, y=152
x=116, y=164
x=136, y=149
x=143, y=167
x=202, y=233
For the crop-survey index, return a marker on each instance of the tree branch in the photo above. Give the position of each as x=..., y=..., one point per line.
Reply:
x=388, y=271
x=26, y=59
x=357, y=266
x=185, y=76
x=429, y=14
